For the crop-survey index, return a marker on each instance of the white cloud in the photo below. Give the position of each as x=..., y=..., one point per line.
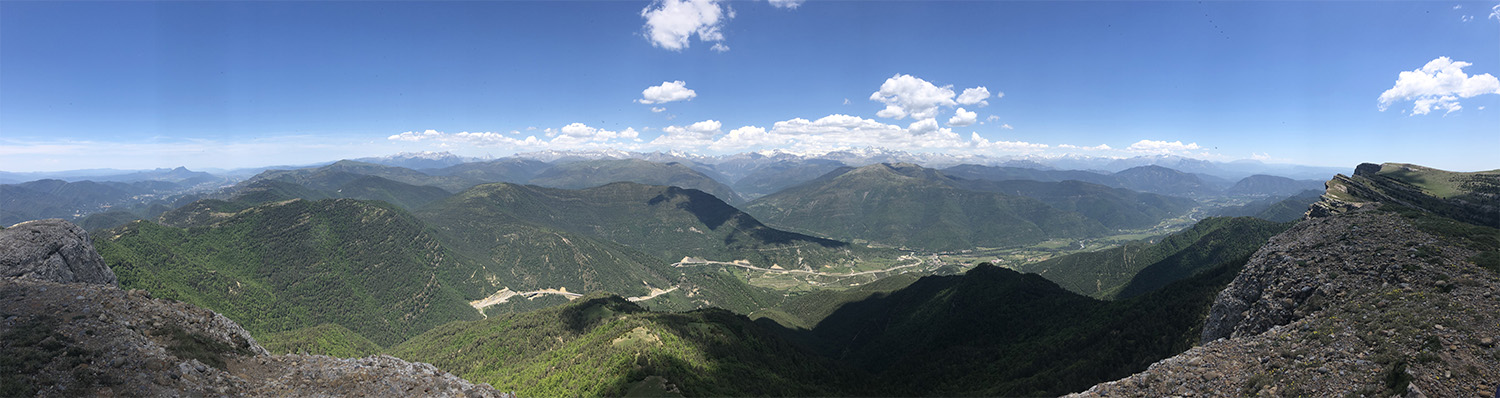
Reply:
x=412, y=136
x=1458, y=6
x=719, y=47
x=923, y=126
x=962, y=118
x=571, y=136
x=992, y=118
x=905, y=95
x=1100, y=147
x=657, y=109
x=1007, y=146
x=667, y=92
x=1495, y=12
x=748, y=137
x=975, y=96
x=1007, y=127
x=1162, y=147
x=1466, y=18
x=788, y=4
x=670, y=24
x=1439, y=84
x=698, y=134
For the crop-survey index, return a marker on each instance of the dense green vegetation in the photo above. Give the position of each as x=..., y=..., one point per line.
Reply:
x=606, y=346
x=1142, y=266
x=334, y=176
x=512, y=170
x=326, y=339
x=667, y=222
x=770, y=178
x=593, y=173
x=60, y=199
x=996, y=332
x=910, y=206
x=1115, y=208
x=364, y=265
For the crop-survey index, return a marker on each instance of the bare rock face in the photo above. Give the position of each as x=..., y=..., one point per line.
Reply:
x=52, y=250
x=1358, y=304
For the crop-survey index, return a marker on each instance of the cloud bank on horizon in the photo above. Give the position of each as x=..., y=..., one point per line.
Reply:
x=903, y=96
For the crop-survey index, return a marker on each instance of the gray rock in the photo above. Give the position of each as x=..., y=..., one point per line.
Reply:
x=52, y=250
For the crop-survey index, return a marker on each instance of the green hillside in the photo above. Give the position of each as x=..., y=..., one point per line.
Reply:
x=593, y=173
x=512, y=170
x=523, y=256
x=326, y=339
x=367, y=266
x=769, y=179
x=1108, y=273
x=996, y=332
x=910, y=206
x=667, y=222
x=606, y=346
x=333, y=176
x=1115, y=208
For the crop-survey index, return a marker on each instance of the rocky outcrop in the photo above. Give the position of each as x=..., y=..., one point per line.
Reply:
x=87, y=339
x=66, y=329
x=1469, y=197
x=52, y=250
x=1359, y=304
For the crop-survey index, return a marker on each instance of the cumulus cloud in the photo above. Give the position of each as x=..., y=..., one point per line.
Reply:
x=1438, y=85
x=906, y=95
x=657, y=109
x=788, y=4
x=1100, y=147
x=670, y=24
x=1007, y=146
x=975, y=96
x=571, y=136
x=923, y=126
x=667, y=92
x=698, y=134
x=1162, y=147
x=962, y=118
x=413, y=136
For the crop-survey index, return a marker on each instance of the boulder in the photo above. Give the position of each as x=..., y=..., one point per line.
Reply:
x=52, y=250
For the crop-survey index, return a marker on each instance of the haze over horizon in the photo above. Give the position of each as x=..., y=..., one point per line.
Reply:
x=141, y=85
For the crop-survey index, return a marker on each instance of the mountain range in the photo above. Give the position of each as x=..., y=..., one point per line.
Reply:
x=1386, y=281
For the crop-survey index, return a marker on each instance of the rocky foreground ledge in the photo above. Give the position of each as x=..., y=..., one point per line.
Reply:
x=67, y=330
x=1358, y=304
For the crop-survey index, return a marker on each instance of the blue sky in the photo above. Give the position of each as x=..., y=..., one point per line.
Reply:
x=242, y=84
